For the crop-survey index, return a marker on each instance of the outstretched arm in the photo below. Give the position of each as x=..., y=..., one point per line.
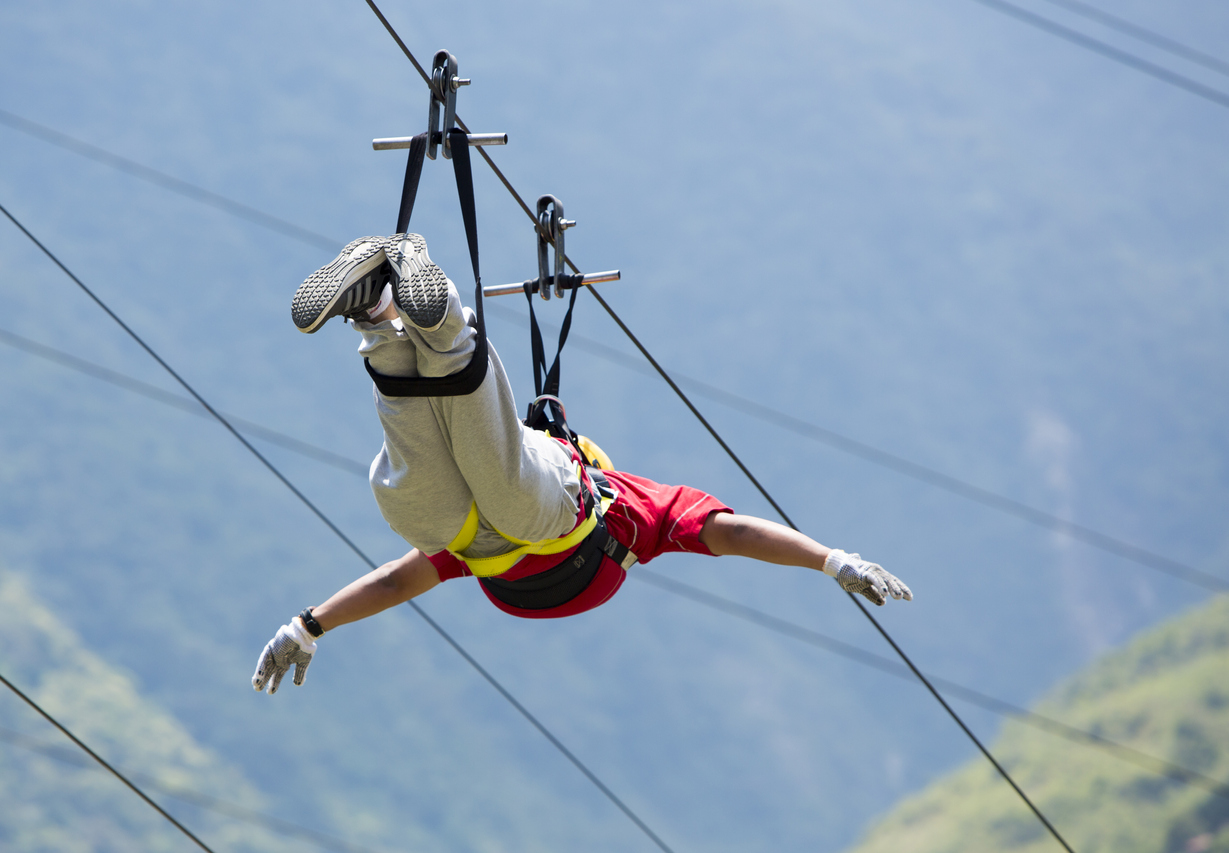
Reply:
x=725, y=533
x=392, y=584
x=760, y=539
x=294, y=644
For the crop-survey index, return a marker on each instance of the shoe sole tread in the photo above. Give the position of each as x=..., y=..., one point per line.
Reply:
x=318, y=296
x=422, y=287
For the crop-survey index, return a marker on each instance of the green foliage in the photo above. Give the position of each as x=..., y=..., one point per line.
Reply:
x=58, y=799
x=1165, y=694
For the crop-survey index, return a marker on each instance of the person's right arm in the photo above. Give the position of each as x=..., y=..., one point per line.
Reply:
x=392, y=584
x=294, y=644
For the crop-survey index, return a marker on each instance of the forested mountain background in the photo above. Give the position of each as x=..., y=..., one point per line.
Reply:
x=926, y=227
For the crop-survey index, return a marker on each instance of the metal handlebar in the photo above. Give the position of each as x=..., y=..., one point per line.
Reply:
x=393, y=142
x=568, y=282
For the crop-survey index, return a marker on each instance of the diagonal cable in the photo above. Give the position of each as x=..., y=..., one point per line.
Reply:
x=350, y=543
x=1147, y=36
x=184, y=404
x=187, y=795
x=921, y=473
x=678, y=391
x=1108, y=51
x=167, y=182
x=684, y=590
x=878, y=627
x=782, y=420
x=94, y=755
x=857, y=654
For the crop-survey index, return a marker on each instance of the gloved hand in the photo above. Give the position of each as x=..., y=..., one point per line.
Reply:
x=870, y=579
x=292, y=644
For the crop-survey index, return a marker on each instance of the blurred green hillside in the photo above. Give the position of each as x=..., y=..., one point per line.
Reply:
x=55, y=798
x=1165, y=694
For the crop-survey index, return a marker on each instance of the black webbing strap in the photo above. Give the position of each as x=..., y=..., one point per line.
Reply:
x=549, y=385
x=466, y=380
x=572, y=575
x=409, y=189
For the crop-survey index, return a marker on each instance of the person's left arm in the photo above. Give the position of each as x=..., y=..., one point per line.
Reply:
x=394, y=583
x=760, y=539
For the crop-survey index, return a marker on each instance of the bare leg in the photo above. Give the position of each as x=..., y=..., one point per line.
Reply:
x=747, y=536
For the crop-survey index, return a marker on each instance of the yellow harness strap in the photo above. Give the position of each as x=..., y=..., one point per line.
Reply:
x=486, y=567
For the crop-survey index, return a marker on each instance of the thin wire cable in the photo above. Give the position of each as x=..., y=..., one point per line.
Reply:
x=878, y=627
x=695, y=594
x=184, y=383
x=954, y=485
x=353, y=547
x=184, y=404
x=1143, y=34
x=167, y=182
x=678, y=391
x=1108, y=51
x=859, y=655
x=94, y=755
x=916, y=471
x=187, y=795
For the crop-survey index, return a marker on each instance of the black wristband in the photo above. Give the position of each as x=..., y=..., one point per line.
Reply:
x=310, y=623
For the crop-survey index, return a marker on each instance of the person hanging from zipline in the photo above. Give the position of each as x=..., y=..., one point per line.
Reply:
x=476, y=492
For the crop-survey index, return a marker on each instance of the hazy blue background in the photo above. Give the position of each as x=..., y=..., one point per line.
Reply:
x=922, y=225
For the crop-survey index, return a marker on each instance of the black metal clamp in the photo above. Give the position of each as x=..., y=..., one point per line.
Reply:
x=550, y=228
x=444, y=85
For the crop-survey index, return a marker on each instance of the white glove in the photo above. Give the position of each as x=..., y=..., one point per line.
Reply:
x=870, y=579
x=292, y=644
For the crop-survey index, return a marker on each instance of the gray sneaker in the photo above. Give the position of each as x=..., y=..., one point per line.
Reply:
x=347, y=287
x=421, y=291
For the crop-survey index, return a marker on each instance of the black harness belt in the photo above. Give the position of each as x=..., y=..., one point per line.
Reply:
x=571, y=576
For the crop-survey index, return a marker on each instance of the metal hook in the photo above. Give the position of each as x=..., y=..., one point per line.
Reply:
x=444, y=85
x=551, y=226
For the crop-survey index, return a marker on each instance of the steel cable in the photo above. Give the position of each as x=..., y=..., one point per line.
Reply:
x=729, y=451
x=187, y=795
x=94, y=755
x=350, y=543
x=1118, y=55
x=1143, y=34
x=670, y=585
x=783, y=420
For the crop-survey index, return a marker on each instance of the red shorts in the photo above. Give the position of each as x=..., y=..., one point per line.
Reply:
x=647, y=517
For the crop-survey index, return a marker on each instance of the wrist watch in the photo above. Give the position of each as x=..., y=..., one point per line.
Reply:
x=310, y=623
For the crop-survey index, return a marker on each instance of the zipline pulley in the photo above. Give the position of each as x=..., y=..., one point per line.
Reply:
x=550, y=228
x=444, y=85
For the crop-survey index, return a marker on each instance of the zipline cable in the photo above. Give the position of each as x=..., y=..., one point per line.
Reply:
x=857, y=654
x=679, y=588
x=921, y=473
x=1121, y=56
x=167, y=182
x=1108, y=51
x=1143, y=34
x=118, y=775
x=878, y=627
x=899, y=464
x=184, y=404
x=187, y=795
x=353, y=547
x=679, y=392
